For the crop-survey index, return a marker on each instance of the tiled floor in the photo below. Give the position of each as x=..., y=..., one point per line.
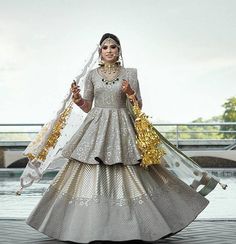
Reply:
x=217, y=231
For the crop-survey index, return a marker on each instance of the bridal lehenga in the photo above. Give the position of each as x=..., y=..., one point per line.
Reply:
x=103, y=193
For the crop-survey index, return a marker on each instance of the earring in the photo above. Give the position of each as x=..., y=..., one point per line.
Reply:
x=118, y=59
x=101, y=62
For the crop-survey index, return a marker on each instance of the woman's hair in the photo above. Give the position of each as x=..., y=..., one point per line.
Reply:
x=109, y=35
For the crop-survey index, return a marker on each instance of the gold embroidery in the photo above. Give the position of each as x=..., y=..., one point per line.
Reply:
x=147, y=139
x=53, y=137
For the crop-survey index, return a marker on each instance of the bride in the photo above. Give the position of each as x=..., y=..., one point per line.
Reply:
x=103, y=192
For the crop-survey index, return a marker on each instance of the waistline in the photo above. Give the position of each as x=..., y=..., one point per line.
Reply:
x=111, y=107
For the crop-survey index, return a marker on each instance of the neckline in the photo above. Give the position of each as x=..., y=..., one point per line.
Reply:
x=121, y=70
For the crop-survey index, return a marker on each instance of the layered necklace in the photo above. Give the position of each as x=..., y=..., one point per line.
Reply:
x=110, y=73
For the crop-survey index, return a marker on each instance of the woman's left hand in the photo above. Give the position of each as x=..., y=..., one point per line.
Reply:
x=125, y=87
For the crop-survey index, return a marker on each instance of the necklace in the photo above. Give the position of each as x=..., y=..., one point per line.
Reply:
x=110, y=73
x=109, y=82
x=107, y=68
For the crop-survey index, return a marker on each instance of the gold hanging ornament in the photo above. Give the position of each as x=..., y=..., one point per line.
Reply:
x=53, y=137
x=147, y=139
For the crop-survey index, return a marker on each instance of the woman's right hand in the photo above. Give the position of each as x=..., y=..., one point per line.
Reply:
x=75, y=90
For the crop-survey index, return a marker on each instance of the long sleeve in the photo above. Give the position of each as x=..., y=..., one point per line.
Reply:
x=88, y=88
x=134, y=83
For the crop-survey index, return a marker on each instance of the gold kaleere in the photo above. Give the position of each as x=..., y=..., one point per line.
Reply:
x=147, y=139
x=53, y=137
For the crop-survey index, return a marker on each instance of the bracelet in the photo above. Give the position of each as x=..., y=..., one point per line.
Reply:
x=82, y=104
x=132, y=96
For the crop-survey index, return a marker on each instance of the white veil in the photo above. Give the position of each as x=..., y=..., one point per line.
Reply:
x=44, y=152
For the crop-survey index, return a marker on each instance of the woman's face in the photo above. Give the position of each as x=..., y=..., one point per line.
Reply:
x=109, y=52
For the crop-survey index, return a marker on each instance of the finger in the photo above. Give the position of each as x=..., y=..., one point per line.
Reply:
x=76, y=88
x=75, y=91
x=73, y=85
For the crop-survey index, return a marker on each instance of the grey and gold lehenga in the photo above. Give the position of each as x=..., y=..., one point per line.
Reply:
x=102, y=192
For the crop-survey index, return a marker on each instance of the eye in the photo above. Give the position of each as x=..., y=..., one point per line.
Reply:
x=113, y=46
x=104, y=47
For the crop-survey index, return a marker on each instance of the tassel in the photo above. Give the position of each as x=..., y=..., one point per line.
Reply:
x=147, y=139
x=224, y=186
x=18, y=192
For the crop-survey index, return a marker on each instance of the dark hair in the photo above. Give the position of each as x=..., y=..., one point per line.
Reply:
x=107, y=35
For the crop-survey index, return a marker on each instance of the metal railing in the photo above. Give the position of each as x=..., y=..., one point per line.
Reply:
x=172, y=131
x=176, y=130
x=19, y=131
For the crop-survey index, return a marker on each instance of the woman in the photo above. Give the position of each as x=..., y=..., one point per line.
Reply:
x=102, y=192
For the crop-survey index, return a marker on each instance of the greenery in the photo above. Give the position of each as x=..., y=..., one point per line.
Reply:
x=229, y=116
x=202, y=132
x=199, y=132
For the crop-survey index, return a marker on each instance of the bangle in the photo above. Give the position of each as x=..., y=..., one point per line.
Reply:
x=132, y=96
x=82, y=104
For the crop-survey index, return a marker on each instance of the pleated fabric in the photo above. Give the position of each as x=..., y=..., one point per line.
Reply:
x=88, y=202
x=106, y=135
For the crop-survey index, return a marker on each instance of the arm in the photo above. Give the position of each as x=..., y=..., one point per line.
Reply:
x=85, y=105
x=85, y=102
x=131, y=87
x=133, y=96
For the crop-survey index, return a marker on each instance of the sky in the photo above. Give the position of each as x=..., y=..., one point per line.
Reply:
x=184, y=50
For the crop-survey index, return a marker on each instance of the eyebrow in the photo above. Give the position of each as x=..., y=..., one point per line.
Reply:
x=112, y=45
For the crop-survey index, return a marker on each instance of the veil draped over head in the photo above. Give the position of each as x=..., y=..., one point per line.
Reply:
x=45, y=151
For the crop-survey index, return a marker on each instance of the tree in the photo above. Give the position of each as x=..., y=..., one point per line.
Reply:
x=229, y=115
x=198, y=132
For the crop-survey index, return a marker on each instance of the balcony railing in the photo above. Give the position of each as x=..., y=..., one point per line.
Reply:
x=197, y=131
x=175, y=132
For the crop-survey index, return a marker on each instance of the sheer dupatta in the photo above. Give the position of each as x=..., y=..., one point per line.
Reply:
x=169, y=156
x=44, y=151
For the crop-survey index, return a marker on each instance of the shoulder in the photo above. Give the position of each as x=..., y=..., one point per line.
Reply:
x=131, y=70
x=91, y=74
x=132, y=74
x=92, y=71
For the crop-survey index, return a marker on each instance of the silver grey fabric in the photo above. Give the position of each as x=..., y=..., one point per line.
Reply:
x=87, y=202
x=102, y=193
x=107, y=132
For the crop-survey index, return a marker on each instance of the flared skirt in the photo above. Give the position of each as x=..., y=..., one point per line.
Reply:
x=88, y=202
